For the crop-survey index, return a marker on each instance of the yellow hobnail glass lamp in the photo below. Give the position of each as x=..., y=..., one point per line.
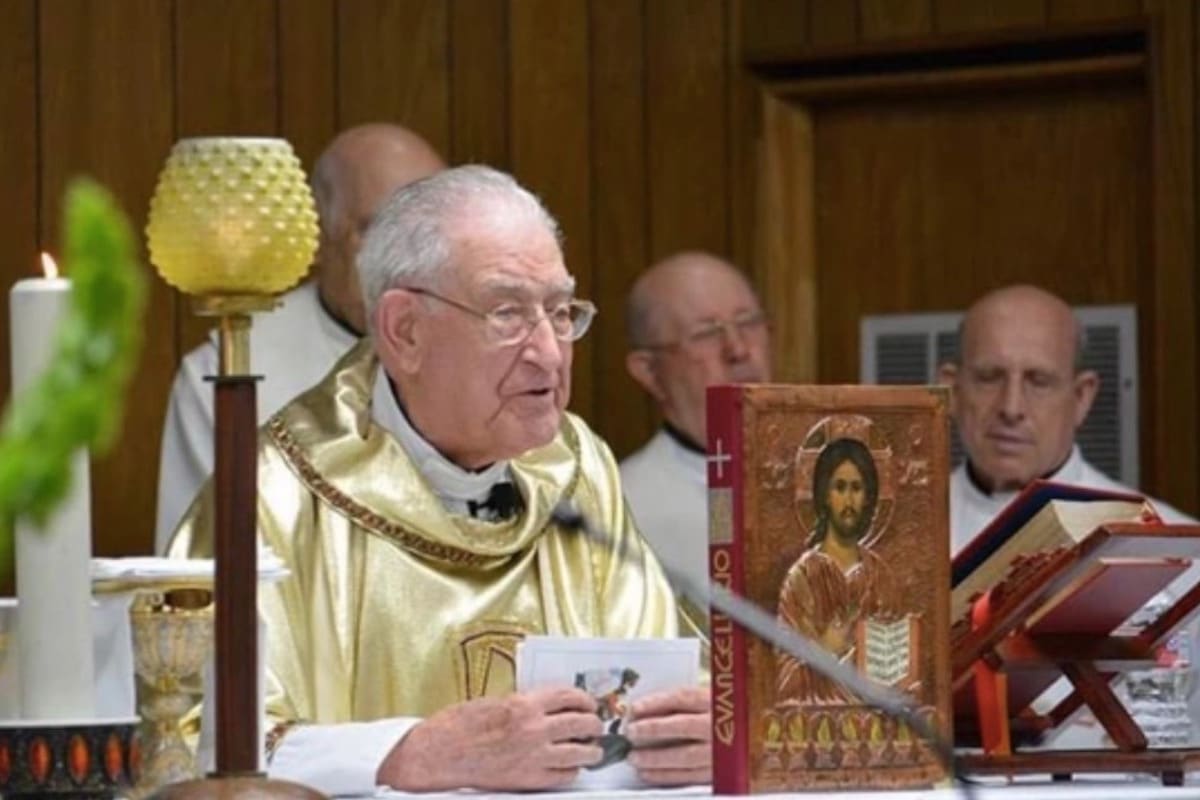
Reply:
x=232, y=223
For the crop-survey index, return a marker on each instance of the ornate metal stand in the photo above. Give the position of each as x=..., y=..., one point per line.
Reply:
x=172, y=636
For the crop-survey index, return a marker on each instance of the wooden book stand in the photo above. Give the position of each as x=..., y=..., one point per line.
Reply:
x=1058, y=614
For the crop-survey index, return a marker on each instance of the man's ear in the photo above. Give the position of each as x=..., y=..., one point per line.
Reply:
x=640, y=364
x=947, y=375
x=397, y=335
x=1085, y=386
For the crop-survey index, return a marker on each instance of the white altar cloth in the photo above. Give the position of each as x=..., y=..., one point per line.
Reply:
x=112, y=658
x=992, y=789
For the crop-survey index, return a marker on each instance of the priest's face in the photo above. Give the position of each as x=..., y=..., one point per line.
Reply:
x=712, y=331
x=371, y=163
x=1018, y=398
x=475, y=397
x=846, y=500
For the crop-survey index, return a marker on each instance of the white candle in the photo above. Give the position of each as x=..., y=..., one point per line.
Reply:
x=54, y=591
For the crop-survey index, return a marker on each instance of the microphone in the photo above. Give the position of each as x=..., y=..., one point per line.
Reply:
x=792, y=642
x=503, y=502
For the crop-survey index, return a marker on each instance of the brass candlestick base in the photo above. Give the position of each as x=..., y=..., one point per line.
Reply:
x=233, y=311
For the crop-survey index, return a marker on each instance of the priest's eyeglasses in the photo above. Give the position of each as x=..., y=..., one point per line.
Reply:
x=511, y=323
x=711, y=334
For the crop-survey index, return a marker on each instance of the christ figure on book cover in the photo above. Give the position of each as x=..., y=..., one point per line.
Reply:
x=840, y=593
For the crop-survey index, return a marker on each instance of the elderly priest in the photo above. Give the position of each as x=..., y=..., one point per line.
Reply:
x=410, y=494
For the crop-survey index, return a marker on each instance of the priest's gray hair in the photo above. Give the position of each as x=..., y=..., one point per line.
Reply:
x=410, y=241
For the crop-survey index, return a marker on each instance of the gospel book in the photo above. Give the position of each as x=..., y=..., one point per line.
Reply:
x=828, y=507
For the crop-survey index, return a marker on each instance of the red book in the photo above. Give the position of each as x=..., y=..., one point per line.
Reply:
x=1028, y=502
x=828, y=507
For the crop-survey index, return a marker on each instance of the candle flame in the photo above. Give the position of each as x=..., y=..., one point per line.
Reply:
x=49, y=266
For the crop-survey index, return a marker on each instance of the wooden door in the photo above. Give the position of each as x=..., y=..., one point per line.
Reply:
x=925, y=203
x=917, y=178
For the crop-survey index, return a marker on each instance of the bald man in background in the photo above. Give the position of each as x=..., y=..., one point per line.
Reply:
x=295, y=345
x=693, y=321
x=1019, y=394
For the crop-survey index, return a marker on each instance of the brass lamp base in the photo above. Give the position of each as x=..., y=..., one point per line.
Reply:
x=221, y=305
x=239, y=787
x=234, y=311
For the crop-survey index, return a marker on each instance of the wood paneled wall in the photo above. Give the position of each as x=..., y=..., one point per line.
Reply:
x=614, y=111
x=633, y=119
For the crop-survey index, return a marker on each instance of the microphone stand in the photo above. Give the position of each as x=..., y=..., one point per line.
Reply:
x=792, y=642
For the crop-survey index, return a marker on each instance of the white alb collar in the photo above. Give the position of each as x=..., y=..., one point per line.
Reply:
x=693, y=464
x=334, y=330
x=1070, y=472
x=450, y=482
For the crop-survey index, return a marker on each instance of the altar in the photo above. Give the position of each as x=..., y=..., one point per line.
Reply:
x=1025, y=790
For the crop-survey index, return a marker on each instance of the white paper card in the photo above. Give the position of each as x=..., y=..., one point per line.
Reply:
x=616, y=672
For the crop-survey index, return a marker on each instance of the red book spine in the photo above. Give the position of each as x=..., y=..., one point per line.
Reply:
x=728, y=652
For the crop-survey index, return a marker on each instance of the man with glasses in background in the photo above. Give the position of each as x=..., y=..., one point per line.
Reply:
x=692, y=322
x=410, y=495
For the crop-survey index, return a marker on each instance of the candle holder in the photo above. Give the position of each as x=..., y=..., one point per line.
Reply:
x=233, y=223
x=74, y=346
x=65, y=760
x=92, y=758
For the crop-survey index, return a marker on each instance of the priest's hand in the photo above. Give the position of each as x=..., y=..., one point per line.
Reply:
x=524, y=741
x=671, y=732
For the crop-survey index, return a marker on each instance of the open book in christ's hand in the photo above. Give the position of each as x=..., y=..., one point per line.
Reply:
x=886, y=651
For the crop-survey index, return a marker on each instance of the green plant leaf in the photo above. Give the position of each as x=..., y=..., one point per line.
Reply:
x=77, y=401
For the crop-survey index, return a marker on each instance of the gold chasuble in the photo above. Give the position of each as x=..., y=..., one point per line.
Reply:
x=396, y=607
